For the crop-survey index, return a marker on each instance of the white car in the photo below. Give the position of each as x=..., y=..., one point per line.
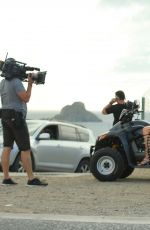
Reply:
x=55, y=146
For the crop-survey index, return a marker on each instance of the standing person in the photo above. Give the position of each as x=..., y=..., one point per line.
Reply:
x=14, y=109
x=115, y=106
x=146, y=135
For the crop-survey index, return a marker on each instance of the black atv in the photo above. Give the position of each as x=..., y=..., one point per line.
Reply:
x=116, y=153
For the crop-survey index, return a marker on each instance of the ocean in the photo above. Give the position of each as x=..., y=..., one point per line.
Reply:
x=97, y=127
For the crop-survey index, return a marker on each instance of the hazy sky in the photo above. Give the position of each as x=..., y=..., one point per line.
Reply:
x=90, y=48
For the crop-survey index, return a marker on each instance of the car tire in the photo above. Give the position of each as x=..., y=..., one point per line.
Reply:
x=84, y=166
x=18, y=166
x=107, y=164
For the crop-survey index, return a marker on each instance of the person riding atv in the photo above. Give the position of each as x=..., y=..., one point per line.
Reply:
x=118, y=152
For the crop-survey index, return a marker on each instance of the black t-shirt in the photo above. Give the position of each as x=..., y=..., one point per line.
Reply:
x=116, y=111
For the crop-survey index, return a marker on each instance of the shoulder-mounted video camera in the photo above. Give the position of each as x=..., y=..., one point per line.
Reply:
x=10, y=68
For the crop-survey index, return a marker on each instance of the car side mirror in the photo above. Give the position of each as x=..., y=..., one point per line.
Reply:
x=44, y=136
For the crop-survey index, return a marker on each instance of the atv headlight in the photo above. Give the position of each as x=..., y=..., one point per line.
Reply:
x=103, y=136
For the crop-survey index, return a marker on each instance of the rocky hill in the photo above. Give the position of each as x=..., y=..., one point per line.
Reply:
x=76, y=113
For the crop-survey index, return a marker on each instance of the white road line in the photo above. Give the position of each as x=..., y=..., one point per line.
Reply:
x=50, y=174
x=75, y=218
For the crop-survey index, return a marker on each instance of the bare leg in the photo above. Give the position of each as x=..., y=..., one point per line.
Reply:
x=146, y=134
x=5, y=161
x=27, y=163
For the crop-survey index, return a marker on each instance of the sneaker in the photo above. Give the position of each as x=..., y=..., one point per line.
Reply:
x=37, y=182
x=8, y=182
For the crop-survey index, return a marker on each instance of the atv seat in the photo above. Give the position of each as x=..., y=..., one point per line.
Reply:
x=135, y=128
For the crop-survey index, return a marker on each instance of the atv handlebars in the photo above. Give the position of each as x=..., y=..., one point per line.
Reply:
x=131, y=109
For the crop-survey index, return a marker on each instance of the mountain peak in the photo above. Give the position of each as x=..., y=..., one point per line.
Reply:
x=76, y=113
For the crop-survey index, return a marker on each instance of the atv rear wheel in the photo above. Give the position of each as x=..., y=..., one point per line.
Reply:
x=107, y=164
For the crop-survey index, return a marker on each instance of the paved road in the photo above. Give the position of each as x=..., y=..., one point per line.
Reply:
x=129, y=198
x=62, y=222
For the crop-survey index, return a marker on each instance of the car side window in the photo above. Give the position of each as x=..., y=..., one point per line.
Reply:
x=68, y=133
x=84, y=135
x=52, y=130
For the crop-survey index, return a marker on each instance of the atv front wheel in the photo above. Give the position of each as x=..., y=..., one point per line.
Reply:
x=127, y=172
x=107, y=164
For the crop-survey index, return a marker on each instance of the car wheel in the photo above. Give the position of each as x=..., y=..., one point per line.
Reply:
x=127, y=172
x=17, y=165
x=84, y=166
x=107, y=164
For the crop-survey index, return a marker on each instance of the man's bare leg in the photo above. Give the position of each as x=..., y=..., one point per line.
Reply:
x=5, y=161
x=27, y=163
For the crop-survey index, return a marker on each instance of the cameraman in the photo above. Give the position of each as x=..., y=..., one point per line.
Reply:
x=14, y=109
x=115, y=106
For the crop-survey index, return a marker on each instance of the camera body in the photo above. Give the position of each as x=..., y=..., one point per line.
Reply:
x=15, y=69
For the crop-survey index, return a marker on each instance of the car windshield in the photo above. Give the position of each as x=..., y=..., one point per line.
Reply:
x=33, y=126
